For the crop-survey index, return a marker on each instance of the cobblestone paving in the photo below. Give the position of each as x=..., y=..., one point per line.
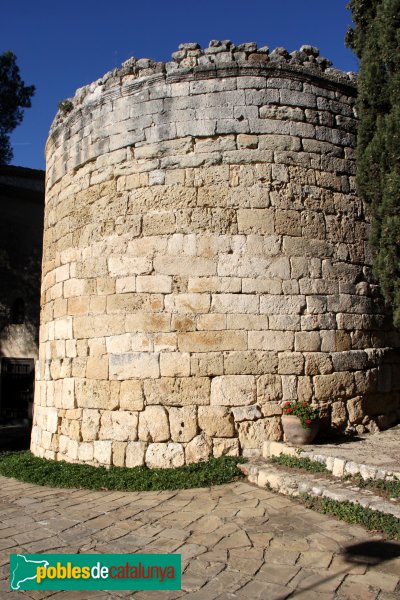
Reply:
x=237, y=542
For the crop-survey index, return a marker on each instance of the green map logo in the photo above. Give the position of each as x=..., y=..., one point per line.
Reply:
x=24, y=570
x=95, y=572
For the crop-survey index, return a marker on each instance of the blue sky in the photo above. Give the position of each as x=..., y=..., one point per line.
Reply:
x=61, y=46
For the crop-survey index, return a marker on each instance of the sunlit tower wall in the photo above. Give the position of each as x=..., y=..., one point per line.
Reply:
x=205, y=258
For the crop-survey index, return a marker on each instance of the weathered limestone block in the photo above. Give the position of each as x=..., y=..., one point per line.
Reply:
x=72, y=449
x=355, y=409
x=68, y=393
x=135, y=454
x=97, y=367
x=271, y=340
x=63, y=442
x=188, y=303
x=199, y=449
x=225, y=447
x=246, y=413
x=246, y=321
x=94, y=326
x=247, y=141
x=127, y=265
x=182, y=322
x=118, y=454
x=71, y=428
x=119, y=344
x=134, y=365
x=269, y=389
x=124, y=285
x=335, y=385
x=239, y=265
x=74, y=287
x=175, y=364
x=199, y=341
x=165, y=341
x=286, y=221
x=63, y=329
x=291, y=363
x=304, y=389
x=289, y=387
x=119, y=425
x=183, y=423
x=154, y=424
x=252, y=434
x=317, y=363
x=205, y=364
x=250, y=363
x=233, y=390
x=214, y=284
x=216, y=421
x=235, y=303
x=85, y=452
x=46, y=440
x=90, y=424
x=185, y=266
x=142, y=321
x=307, y=341
x=131, y=395
x=255, y=221
x=211, y=322
x=271, y=409
x=92, y=393
x=102, y=452
x=366, y=381
x=36, y=435
x=349, y=361
x=52, y=420
x=164, y=456
x=339, y=414
x=183, y=391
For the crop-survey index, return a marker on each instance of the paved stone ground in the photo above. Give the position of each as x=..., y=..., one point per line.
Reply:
x=379, y=449
x=237, y=542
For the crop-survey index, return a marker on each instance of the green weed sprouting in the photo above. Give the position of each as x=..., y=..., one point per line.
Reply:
x=32, y=469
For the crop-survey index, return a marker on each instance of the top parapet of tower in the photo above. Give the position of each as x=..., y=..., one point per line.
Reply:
x=191, y=55
x=220, y=58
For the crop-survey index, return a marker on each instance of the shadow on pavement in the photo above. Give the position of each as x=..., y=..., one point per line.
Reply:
x=365, y=553
x=372, y=553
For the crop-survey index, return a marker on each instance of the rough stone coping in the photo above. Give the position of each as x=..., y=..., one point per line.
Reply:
x=222, y=58
x=313, y=484
x=339, y=467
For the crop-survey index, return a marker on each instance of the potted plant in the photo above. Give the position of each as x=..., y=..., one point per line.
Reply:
x=300, y=422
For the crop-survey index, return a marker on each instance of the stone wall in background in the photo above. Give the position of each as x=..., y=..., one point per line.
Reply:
x=204, y=259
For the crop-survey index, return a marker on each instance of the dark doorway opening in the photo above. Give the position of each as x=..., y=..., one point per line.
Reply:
x=17, y=377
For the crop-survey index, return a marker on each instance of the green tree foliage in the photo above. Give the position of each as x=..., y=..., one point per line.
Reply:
x=375, y=39
x=14, y=96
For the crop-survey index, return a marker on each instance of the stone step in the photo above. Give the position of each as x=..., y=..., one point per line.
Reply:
x=292, y=483
x=339, y=466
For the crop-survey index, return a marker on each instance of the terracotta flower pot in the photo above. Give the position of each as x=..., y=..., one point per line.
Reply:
x=295, y=433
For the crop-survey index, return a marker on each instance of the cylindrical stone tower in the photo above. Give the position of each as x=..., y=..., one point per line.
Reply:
x=204, y=259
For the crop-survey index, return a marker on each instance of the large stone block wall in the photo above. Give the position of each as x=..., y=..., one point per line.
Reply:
x=204, y=259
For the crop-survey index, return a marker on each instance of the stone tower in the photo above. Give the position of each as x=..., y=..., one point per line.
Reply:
x=204, y=259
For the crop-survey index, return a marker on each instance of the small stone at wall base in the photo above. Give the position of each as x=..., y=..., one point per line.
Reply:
x=199, y=449
x=135, y=454
x=225, y=447
x=102, y=452
x=165, y=456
